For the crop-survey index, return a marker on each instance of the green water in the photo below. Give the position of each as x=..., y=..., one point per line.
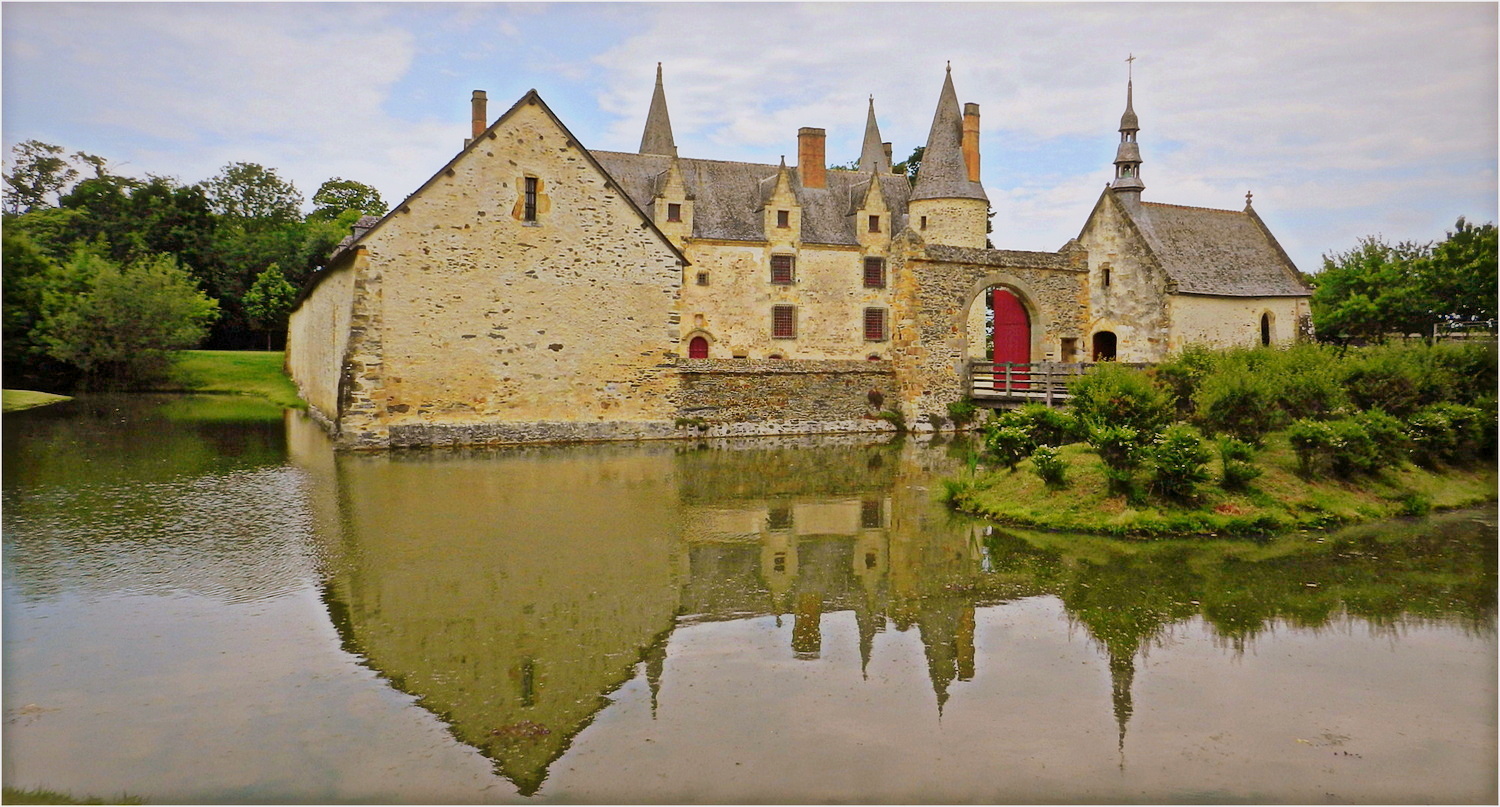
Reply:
x=203, y=603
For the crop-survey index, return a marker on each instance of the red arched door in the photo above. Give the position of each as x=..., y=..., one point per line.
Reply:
x=1012, y=336
x=698, y=348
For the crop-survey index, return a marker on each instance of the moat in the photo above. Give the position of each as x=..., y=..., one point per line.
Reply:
x=204, y=603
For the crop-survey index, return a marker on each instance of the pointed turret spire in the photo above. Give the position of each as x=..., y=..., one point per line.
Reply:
x=872, y=156
x=944, y=173
x=1128, y=184
x=657, y=139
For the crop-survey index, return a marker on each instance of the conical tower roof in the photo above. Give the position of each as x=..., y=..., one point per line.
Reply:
x=872, y=155
x=657, y=138
x=944, y=174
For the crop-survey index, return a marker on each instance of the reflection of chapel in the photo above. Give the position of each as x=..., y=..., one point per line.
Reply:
x=533, y=279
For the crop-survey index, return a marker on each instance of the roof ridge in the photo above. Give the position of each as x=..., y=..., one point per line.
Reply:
x=1193, y=207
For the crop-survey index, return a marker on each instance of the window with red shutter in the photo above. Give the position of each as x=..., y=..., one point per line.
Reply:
x=783, y=322
x=874, y=273
x=875, y=324
x=782, y=267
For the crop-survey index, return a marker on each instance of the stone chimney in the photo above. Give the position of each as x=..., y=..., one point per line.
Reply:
x=971, y=140
x=887, y=147
x=481, y=119
x=810, y=157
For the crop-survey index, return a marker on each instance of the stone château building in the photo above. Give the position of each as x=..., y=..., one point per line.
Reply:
x=534, y=289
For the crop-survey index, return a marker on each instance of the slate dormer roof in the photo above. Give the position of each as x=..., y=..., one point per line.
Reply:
x=1222, y=253
x=729, y=197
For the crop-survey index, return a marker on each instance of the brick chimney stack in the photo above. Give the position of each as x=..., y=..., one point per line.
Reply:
x=971, y=140
x=481, y=119
x=810, y=157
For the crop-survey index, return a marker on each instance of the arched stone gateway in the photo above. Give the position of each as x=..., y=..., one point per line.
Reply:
x=954, y=306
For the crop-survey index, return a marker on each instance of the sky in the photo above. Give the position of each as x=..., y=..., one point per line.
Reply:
x=1345, y=120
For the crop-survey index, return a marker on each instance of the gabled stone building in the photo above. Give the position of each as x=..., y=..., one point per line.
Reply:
x=534, y=289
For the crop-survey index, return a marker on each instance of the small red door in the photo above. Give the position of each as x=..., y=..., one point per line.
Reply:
x=1012, y=337
x=698, y=348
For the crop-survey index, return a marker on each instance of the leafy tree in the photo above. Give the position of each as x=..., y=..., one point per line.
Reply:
x=911, y=165
x=122, y=328
x=269, y=301
x=253, y=195
x=38, y=171
x=338, y=195
x=1460, y=274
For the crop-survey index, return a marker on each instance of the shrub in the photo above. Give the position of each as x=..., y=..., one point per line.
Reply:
x=1312, y=441
x=895, y=418
x=1237, y=402
x=1431, y=435
x=1118, y=446
x=1388, y=435
x=1049, y=466
x=962, y=412
x=1121, y=482
x=1236, y=456
x=1353, y=451
x=1118, y=395
x=1178, y=462
x=1007, y=445
x=1473, y=366
x=1181, y=374
x=1469, y=427
x=1047, y=426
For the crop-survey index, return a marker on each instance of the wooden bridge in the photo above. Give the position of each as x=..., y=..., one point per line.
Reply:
x=1008, y=384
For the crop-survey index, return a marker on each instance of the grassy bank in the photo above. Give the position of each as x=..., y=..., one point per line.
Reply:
x=17, y=399
x=1280, y=500
x=233, y=372
x=17, y=795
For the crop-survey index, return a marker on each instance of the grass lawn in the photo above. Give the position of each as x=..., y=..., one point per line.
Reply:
x=1280, y=500
x=16, y=795
x=238, y=372
x=18, y=399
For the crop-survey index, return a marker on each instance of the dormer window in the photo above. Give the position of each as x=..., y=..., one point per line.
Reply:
x=674, y=212
x=783, y=219
x=874, y=224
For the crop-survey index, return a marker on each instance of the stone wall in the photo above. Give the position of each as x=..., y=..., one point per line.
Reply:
x=317, y=336
x=744, y=397
x=1133, y=304
x=937, y=289
x=1234, y=321
x=951, y=222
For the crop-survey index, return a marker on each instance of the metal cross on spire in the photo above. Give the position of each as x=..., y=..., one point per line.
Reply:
x=1130, y=67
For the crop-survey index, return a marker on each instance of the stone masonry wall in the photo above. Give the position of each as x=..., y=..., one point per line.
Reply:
x=736, y=397
x=1134, y=304
x=1225, y=321
x=936, y=290
x=317, y=335
x=480, y=320
x=951, y=222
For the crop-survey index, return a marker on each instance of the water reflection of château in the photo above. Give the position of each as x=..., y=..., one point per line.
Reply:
x=512, y=591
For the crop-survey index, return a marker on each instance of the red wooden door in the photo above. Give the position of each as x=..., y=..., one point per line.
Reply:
x=1012, y=336
x=698, y=348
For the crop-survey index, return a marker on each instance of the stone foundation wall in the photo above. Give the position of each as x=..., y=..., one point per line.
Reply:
x=731, y=396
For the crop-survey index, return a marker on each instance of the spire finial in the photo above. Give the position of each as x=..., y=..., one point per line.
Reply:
x=1247, y=198
x=950, y=66
x=1130, y=68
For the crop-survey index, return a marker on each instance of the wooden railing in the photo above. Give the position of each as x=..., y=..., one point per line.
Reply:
x=1042, y=381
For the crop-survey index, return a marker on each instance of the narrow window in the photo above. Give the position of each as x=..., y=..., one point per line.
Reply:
x=703, y=278
x=874, y=324
x=674, y=212
x=782, y=267
x=874, y=224
x=874, y=273
x=1265, y=329
x=1106, y=277
x=783, y=322
x=529, y=214
x=924, y=222
x=783, y=219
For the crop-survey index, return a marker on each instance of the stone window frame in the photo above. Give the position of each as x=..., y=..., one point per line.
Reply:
x=783, y=219
x=790, y=269
x=876, y=279
x=874, y=224
x=783, y=321
x=875, y=325
x=530, y=193
x=674, y=211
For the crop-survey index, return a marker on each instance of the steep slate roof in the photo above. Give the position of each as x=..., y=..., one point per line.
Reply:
x=944, y=173
x=657, y=137
x=1227, y=253
x=728, y=197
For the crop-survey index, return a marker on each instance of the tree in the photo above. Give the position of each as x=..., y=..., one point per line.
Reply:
x=38, y=171
x=269, y=301
x=338, y=195
x=911, y=165
x=1460, y=274
x=253, y=195
x=122, y=329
